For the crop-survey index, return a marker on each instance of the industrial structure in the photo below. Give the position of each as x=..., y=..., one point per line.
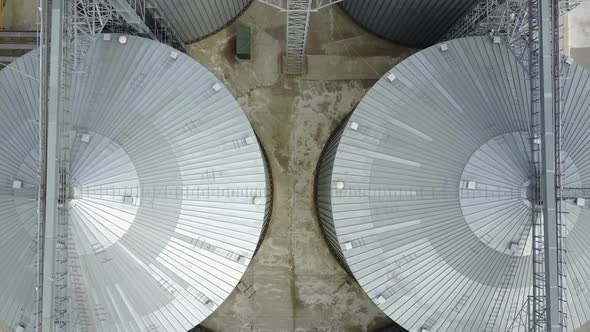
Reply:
x=160, y=198
x=194, y=20
x=136, y=192
x=297, y=15
x=418, y=23
x=426, y=193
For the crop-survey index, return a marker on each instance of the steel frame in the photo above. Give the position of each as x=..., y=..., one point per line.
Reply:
x=536, y=316
x=507, y=19
x=144, y=18
x=49, y=226
x=532, y=28
x=549, y=102
x=284, y=5
x=297, y=25
x=75, y=25
x=298, y=14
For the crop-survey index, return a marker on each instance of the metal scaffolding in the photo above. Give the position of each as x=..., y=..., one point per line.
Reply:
x=298, y=13
x=68, y=30
x=548, y=312
x=507, y=19
x=532, y=28
x=536, y=314
x=143, y=18
x=548, y=107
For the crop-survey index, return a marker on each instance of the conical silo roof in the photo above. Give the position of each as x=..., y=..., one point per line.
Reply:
x=423, y=193
x=193, y=20
x=417, y=23
x=167, y=191
x=19, y=156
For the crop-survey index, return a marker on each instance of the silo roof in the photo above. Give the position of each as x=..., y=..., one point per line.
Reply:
x=424, y=192
x=167, y=188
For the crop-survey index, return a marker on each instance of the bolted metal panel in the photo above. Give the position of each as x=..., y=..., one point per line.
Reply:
x=168, y=191
x=417, y=23
x=575, y=94
x=425, y=192
x=19, y=161
x=194, y=20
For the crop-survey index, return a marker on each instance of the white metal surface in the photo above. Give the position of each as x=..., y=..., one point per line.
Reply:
x=160, y=200
x=18, y=207
x=430, y=252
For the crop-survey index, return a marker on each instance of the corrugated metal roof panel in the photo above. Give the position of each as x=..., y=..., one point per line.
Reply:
x=433, y=218
x=168, y=189
x=18, y=207
x=193, y=20
x=418, y=23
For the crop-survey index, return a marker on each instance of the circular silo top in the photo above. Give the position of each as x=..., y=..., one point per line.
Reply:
x=166, y=194
x=417, y=23
x=193, y=20
x=434, y=218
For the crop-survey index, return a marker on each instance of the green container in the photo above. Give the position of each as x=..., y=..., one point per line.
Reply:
x=243, y=42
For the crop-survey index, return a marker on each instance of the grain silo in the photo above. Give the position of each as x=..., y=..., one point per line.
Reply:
x=424, y=191
x=19, y=192
x=193, y=20
x=417, y=23
x=168, y=190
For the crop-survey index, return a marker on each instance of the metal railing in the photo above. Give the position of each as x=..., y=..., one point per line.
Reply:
x=537, y=315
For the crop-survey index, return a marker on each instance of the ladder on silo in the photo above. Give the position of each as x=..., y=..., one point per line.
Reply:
x=505, y=286
x=537, y=316
x=506, y=283
x=298, y=14
x=78, y=290
x=559, y=169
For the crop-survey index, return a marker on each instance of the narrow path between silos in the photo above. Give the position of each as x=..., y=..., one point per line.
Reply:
x=299, y=285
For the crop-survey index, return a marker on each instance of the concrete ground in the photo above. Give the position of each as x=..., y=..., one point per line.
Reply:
x=578, y=25
x=299, y=285
x=584, y=328
x=20, y=15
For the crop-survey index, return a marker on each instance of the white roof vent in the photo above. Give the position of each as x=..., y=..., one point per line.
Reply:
x=85, y=138
x=354, y=126
x=391, y=77
x=174, y=54
x=257, y=200
x=470, y=185
x=122, y=40
x=216, y=87
x=580, y=201
x=514, y=248
x=444, y=47
x=17, y=184
x=250, y=140
x=128, y=200
x=106, y=37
